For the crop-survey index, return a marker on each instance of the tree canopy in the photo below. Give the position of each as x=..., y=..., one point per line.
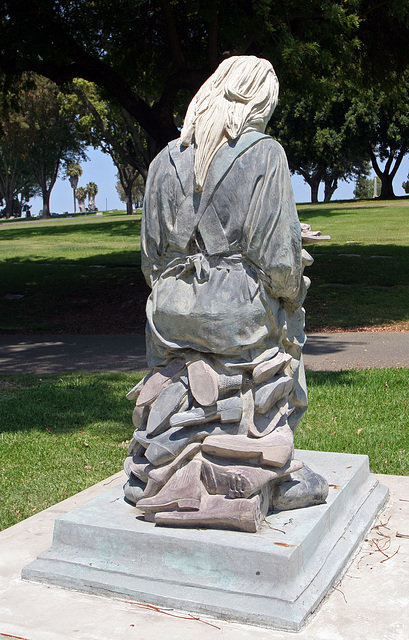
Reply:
x=152, y=55
x=319, y=136
x=36, y=138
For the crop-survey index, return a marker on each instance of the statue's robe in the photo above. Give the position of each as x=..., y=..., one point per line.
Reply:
x=224, y=265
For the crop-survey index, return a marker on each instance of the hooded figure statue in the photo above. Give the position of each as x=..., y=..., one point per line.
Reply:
x=222, y=253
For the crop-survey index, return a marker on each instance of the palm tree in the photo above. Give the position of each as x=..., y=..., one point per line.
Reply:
x=81, y=195
x=92, y=191
x=73, y=172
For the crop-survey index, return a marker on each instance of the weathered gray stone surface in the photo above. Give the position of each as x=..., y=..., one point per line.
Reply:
x=272, y=578
x=222, y=252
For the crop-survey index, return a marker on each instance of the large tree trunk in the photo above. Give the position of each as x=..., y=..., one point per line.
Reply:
x=7, y=188
x=330, y=187
x=128, y=202
x=8, y=201
x=128, y=198
x=315, y=185
x=46, y=204
x=313, y=179
x=387, y=192
x=389, y=172
x=41, y=175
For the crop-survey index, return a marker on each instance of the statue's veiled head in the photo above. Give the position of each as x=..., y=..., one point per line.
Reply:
x=240, y=96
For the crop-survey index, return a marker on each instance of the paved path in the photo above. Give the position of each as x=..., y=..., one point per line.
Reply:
x=58, y=353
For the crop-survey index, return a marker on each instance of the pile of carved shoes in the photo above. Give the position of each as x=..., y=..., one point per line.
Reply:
x=212, y=446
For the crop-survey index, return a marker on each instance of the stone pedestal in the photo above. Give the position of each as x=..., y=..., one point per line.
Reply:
x=274, y=578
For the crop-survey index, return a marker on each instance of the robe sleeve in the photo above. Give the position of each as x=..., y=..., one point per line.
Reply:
x=157, y=212
x=272, y=233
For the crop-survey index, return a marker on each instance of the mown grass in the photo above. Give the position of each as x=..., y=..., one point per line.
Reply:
x=106, y=240
x=61, y=434
x=364, y=412
x=360, y=279
x=58, y=436
x=83, y=275
x=78, y=275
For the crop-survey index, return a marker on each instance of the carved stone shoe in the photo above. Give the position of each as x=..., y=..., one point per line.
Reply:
x=166, y=446
x=303, y=489
x=273, y=450
x=133, y=489
x=226, y=410
x=242, y=481
x=182, y=491
x=271, y=392
x=158, y=381
x=203, y=382
x=166, y=404
x=266, y=370
x=264, y=423
x=219, y=512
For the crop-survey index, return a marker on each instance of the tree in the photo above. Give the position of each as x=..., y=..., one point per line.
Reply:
x=106, y=125
x=318, y=138
x=152, y=55
x=73, y=171
x=52, y=135
x=380, y=120
x=130, y=188
x=17, y=183
x=364, y=186
x=92, y=191
x=81, y=197
x=390, y=142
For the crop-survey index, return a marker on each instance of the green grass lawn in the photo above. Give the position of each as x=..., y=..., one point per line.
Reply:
x=82, y=275
x=361, y=277
x=61, y=434
x=79, y=275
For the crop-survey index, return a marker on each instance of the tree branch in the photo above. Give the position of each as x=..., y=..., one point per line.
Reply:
x=375, y=164
x=376, y=6
x=122, y=153
x=173, y=34
x=398, y=161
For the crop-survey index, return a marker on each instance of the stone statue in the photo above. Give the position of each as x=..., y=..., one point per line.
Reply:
x=222, y=251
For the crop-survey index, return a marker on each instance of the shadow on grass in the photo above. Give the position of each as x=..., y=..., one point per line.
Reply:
x=346, y=377
x=67, y=403
x=72, y=296
x=352, y=286
x=125, y=258
x=370, y=265
x=114, y=228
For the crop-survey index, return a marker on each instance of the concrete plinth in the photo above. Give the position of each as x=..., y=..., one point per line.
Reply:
x=273, y=578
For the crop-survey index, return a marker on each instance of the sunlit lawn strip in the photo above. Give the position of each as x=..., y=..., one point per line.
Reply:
x=61, y=434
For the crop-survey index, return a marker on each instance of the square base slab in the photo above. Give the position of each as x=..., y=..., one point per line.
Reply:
x=274, y=578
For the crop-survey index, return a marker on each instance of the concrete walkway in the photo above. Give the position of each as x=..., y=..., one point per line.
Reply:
x=370, y=603
x=43, y=354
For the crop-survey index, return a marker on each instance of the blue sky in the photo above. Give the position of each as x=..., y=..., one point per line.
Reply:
x=101, y=170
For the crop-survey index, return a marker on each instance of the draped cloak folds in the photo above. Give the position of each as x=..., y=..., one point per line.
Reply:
x=224, y=265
